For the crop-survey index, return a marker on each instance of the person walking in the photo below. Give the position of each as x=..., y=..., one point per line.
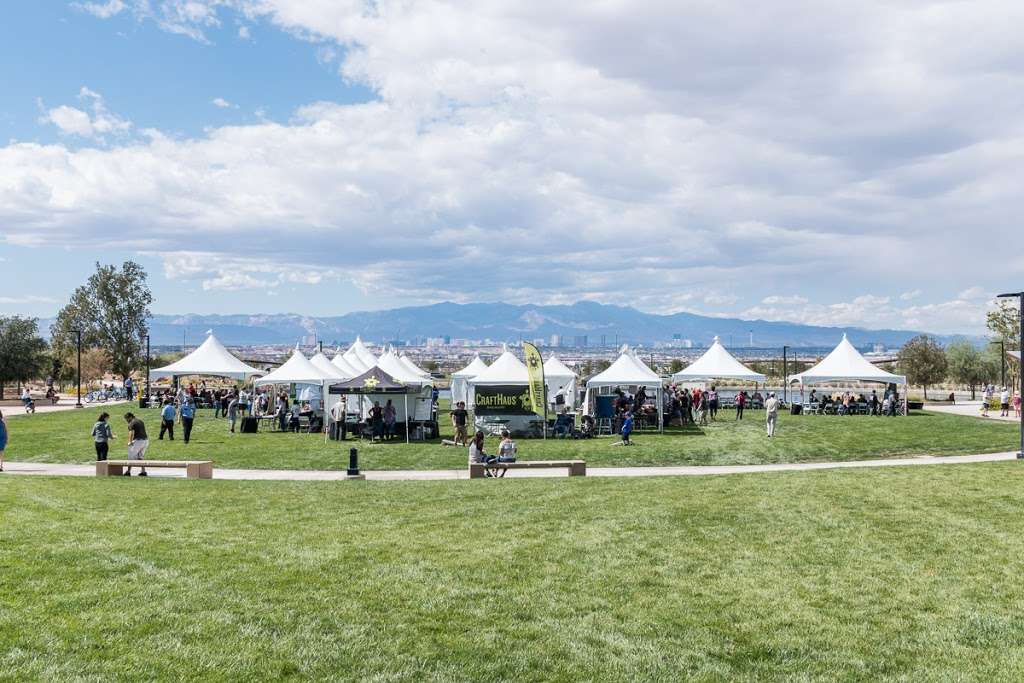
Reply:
x=390, y=415
x=459, y=418
x=101, y=436
x=627, y=427
x=713, y=403
x=771, y=410
x=167, y=415
x=1004, y=403
x=232, y=412
x=138, y=442
x=702, y=408
x=3, y=439
x=741, y=403
x=188, y=414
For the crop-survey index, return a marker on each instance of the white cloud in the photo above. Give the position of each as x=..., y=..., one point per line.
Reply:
x=28, y=299
x=911, y=295
x=974, y=294
x=622, y=152
x=777, y=300
x=222, y=103
x=218, y=272
x=243, y=33
x=97, y=124
x=103, y=10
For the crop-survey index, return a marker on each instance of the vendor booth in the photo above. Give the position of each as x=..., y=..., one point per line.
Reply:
x=299, y=373
x=376, y=385
x=717, y=363
x=561, y=384
x=460, y=379
x=628, y=373
x=846, y=364
x=500, y=399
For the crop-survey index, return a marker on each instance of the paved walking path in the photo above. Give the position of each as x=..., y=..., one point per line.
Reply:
x=426, y=475
x=972, y=409
x=66, y=403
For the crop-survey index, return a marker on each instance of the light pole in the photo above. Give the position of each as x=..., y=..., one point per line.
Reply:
x=147, y=370
x=1002, y=360
x=78, y=379
x=785, y=374
x=1020, y=336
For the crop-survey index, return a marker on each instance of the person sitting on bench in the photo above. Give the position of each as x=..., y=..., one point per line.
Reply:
x=478, y=456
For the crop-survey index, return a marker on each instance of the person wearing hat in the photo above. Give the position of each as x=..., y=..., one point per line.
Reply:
x=771, y=410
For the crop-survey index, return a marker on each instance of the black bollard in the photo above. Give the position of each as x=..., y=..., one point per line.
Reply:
x=353, y=462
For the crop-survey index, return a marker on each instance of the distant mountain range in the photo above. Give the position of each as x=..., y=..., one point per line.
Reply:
x=506, y=322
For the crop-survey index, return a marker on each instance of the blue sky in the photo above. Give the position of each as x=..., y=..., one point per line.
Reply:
x=829, y=164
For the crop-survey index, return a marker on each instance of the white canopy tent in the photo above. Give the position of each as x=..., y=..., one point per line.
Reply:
x=409, y=364
x=626, y=371
x=332, y=371
x=344, y=366
x=506, y=369
x=360, y=357
x=846, y=364
x=390, y=363
x=297, y=370
x=560, y=378
x=717, y=363
x=460, y=379
x=210, y=358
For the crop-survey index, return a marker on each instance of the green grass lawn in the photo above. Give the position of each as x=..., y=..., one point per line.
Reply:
x=64, y=437
x=889, y=574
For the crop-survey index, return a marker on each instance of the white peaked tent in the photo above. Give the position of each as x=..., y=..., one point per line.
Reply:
x=845, y=364
x=345, y=367
x=506, y=369
x=296, y=370
x=390, y=363
x=407, y=362
x=560, y=378
x=626, y=371
x=717, y=363
x=211, y=358
x=332, y=371
x=460, y=379
x=363, y=354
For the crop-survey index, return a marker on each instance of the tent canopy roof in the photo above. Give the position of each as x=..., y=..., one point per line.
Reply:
x=344, y=366
x=475, y=367
x=845, y=363
x=408, y=363
x=553, y=367
x=373, y=381
x=296, y=370
x=329, y=369
x=506, y=369
x=717, y=363
x=360, y=357
x=210, y=358
x=627, y=370
x=390, y=363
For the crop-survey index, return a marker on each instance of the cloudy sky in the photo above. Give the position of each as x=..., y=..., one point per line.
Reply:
x=825, y=162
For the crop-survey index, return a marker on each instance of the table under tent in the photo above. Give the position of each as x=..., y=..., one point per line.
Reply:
x=846, y=364
x=560, y=380
x=377, y=385
x=500, y=399
x=628, y=373
x=460, y=380
x=717, y=364
x=209, y=359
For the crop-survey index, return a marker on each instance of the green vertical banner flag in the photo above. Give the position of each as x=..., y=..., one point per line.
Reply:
x=535, y=368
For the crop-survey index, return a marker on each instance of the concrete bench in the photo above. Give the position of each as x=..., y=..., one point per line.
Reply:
x=577, y=468
x=194, y=469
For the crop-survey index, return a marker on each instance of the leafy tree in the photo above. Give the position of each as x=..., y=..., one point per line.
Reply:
x=111, y=310
x=967, y=364
x=95, y=364
x=675, y=366
x=923, y=361
x=22, y=350
x=1004, y=322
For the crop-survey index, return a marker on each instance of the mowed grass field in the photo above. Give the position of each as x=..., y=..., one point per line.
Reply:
x=65, y=437
x=885, y=574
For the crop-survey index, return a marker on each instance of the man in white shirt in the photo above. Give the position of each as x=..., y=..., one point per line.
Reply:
x=771, y=410
x=1004, y=403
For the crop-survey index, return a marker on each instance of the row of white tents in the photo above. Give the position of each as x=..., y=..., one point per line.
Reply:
x=843, y=364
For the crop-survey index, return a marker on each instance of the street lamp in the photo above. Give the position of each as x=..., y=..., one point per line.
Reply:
x=1020, y=334
x=147, y=370
x=1002, y=360
x=785, y=374
x=78, y=379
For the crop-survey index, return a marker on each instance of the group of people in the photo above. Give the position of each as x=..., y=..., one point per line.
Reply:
x=507, y=452
x=138, y=440
x=1005, y=401
x=845, y=403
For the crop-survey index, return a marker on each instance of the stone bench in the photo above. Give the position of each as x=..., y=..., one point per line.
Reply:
x=577, y=468
x=194, y=469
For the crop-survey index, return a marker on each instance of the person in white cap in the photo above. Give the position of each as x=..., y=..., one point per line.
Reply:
x=771, y=410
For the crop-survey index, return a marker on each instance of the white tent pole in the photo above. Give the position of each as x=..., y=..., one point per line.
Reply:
x=406, y=396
